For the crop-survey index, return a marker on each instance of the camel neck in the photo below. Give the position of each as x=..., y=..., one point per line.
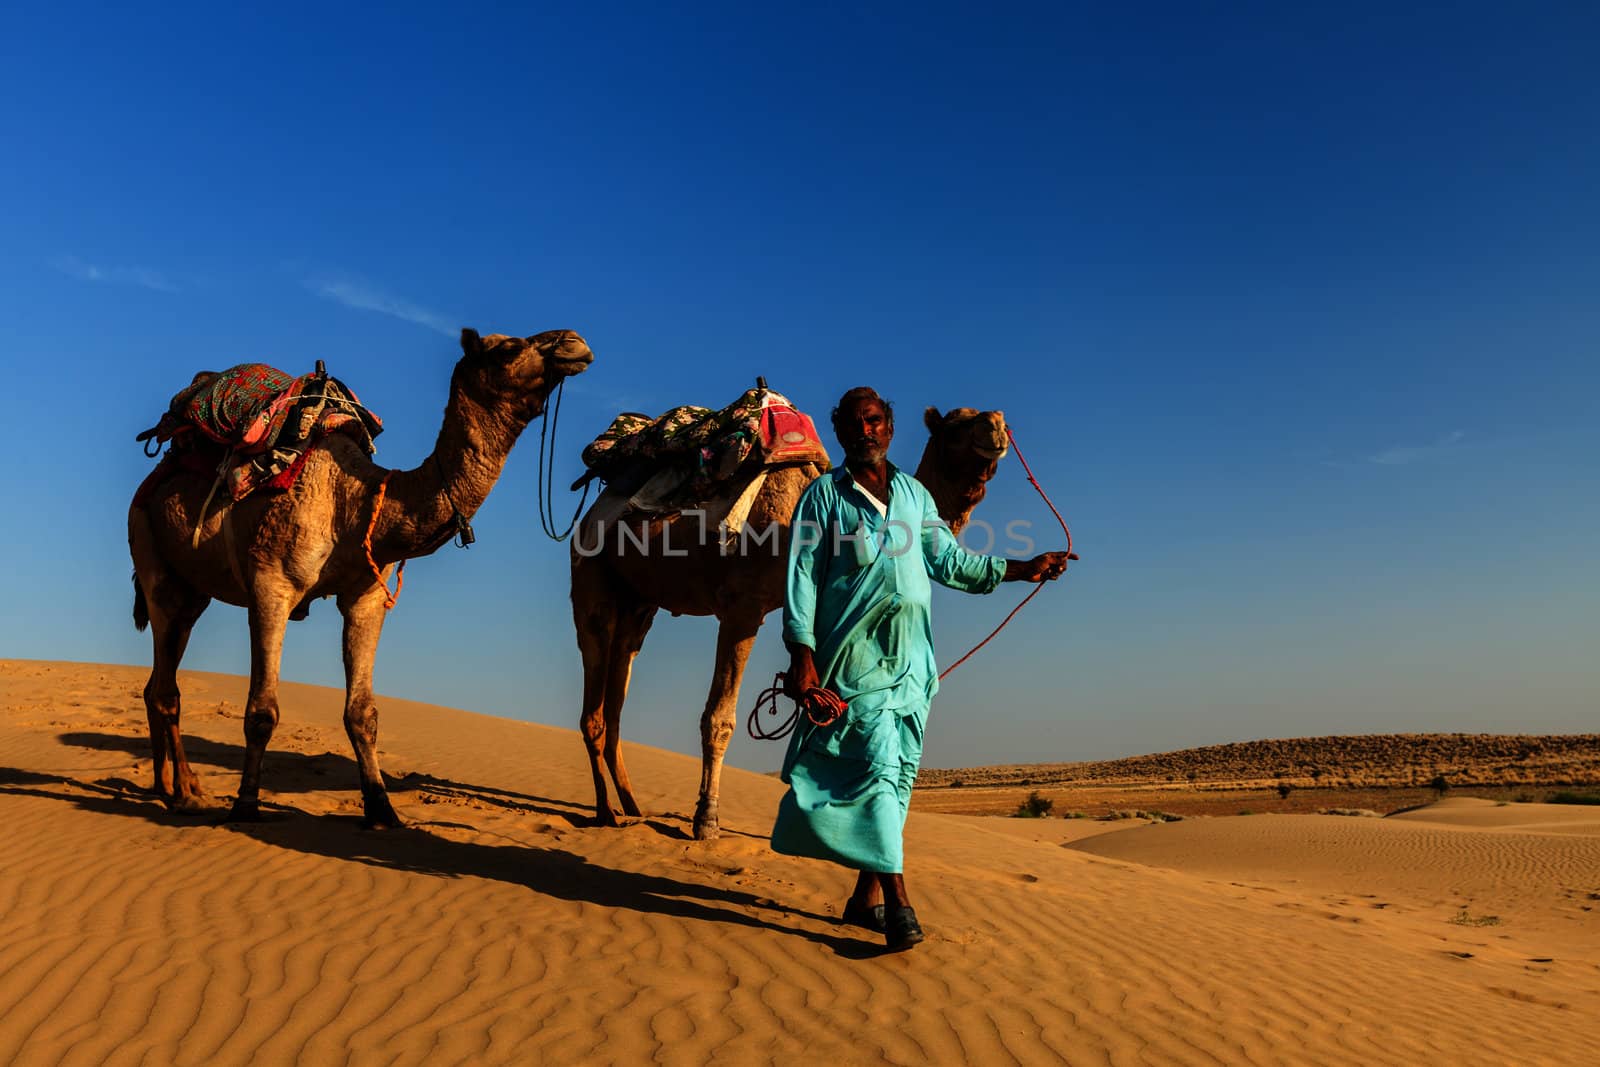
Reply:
x=421, y=505
x=954, y=499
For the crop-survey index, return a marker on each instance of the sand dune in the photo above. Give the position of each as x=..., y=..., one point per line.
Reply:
x=501, y=927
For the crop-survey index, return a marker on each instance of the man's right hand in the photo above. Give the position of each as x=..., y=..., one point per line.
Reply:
x=1046, y=567
x=802, y=674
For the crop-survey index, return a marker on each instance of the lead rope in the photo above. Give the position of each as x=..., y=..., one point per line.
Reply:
x=377, y=572
x=1036, y=589
x=822, y=706
x=547, y=472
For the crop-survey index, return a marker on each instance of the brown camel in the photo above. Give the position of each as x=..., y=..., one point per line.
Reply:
x=617, y=588
x=273, y=553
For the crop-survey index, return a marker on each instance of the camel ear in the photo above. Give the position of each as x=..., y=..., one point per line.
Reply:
x=932, y=418
x=471, y=343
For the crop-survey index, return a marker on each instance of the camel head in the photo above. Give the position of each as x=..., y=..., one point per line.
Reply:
x=965, y=447
x=518, y=373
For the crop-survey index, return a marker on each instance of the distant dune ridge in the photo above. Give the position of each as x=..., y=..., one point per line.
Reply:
x=501, y=926
x=1357, y=760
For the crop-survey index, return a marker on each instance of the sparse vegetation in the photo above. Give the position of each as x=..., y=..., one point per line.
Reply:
x=1150, y=816
x=1363, y=761
x=1463, y=918
x=1284, y=789
x=1035, y=807
x=1568, y=797
x=1383, y=773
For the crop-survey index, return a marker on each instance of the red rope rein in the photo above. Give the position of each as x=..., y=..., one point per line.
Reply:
x=1036, y=589
x=823, y=707
x=1035, y=483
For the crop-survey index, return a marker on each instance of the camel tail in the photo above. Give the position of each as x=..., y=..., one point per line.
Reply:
x=141, y=610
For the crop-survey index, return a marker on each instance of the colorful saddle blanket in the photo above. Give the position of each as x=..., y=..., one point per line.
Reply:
x=705, y=447
x=255, y=424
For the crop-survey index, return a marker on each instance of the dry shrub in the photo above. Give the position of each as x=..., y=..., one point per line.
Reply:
x=1035, y=807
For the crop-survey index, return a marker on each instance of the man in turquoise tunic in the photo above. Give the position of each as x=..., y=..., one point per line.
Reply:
x=865, y=545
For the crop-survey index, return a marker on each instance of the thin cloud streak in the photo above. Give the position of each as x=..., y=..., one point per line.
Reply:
x=609, y=399
x=1400, y=455
x=364, y=297
x=144, y=277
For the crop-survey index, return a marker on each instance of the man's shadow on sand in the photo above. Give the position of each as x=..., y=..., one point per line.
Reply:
x=549, y=871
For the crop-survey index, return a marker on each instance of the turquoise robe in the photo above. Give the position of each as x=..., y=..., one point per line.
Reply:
x=859, y=593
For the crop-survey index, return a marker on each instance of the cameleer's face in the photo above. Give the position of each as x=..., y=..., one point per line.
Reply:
x=864, y=432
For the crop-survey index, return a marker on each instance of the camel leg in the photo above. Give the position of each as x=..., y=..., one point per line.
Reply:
x=174, y=610
x=735, y=636
x=594, y=618
x=632, y=625
x=363, y=623
x=269, y=614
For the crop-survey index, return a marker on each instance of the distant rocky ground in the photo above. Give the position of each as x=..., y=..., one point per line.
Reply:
x=1363, y=761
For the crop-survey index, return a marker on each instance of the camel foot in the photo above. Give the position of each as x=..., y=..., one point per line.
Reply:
x=630, y=808
x=705, y=821
x=190, y=804
x=606, y=817
x=245, y=811
x=379, y=813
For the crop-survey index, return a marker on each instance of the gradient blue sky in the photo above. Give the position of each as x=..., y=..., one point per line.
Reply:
x=1292, y=309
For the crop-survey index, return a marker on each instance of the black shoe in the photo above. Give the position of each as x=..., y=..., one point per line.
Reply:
x=902, y=929
x=866, y=916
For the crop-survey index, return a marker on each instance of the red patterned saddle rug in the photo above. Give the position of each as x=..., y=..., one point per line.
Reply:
x=254, y=426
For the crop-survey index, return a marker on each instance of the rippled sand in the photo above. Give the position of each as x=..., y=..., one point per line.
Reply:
x=500, y=927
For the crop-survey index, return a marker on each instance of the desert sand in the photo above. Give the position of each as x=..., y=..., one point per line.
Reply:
x=501, y=927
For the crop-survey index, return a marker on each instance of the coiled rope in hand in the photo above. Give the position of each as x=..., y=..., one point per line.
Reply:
x=822, y=707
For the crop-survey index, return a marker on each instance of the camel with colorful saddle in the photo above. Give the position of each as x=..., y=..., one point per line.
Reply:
x=309, y=514
x=695, y=519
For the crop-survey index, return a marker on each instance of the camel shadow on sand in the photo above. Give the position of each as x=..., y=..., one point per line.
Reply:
x=310, y=772
x=552, y=872
x=307, y=772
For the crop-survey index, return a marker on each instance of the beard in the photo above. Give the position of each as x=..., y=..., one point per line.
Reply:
x=866, y=454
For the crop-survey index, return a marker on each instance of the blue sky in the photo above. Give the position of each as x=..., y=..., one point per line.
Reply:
x=1293, y=312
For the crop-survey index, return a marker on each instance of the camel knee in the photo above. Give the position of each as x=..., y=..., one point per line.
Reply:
x=259, y=722
x=593, y=728
x=361, y=722
x=715, y=734
x=161, y=697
